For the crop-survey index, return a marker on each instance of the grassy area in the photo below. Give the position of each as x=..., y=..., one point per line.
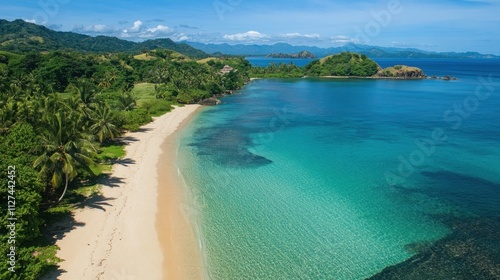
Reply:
x=144, y=92
x=205, y=60
x=324, y=59
x=109, y=152
x=105, y=158
x=87, y=191
x=145, y=57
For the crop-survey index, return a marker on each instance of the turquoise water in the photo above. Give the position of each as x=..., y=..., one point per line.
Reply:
x=294, y=179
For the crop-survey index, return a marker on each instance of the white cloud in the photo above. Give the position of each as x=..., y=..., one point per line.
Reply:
x=342, y=39
x=298, y=35
x=136, y=28
x=161, y=29
x=247, y=36
x=138, y=31
x=95, y=29
x=30, y=20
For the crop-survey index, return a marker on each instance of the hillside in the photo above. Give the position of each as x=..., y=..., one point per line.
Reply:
x=20, y=36
x=345, y=64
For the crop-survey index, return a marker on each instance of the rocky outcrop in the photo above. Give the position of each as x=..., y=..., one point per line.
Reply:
x=210, y=101
x=401, y=72
x=446, y=78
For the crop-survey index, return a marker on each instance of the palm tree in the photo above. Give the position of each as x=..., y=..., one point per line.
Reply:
x=103, y=127
x=108, y=79
x=7, y=114
x=127, y=101
x=64, y=151
x=87, y=91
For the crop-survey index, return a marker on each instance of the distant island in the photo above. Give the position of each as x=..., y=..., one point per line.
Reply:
x=341, y=65
x=354, y=65
x=302, y=54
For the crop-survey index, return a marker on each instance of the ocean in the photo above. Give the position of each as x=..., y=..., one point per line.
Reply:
x=350, y=178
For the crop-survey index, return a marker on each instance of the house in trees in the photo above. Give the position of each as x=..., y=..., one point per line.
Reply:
x=226, y=69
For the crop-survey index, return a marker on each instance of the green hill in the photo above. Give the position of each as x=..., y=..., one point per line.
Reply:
x=20, y=36
x=343, y=64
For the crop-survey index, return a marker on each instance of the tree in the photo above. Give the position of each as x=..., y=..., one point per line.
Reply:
x=64, y=150
x=16, y=150
x=103, y=127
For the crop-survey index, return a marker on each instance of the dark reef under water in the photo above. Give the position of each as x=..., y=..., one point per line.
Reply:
x=471, y=251
x=228, y=147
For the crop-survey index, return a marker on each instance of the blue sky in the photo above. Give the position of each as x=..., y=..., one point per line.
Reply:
x=458, y=25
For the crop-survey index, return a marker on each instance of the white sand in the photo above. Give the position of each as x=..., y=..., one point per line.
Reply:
x=120, y=240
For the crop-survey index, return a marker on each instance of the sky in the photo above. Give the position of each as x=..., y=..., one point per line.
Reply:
x=447, y=25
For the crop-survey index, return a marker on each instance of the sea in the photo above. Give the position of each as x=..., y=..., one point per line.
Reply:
x=318, y=178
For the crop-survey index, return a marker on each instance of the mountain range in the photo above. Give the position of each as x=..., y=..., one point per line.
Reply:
x=370, y=51
x=22, y=36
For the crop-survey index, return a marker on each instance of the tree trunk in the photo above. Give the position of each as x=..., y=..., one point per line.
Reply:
x=65, y=188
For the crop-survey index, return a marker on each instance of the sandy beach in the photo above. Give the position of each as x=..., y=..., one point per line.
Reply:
x=117, y=235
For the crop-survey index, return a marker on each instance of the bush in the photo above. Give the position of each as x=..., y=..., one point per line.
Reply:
x=185, y=98
x=15, y=150
x=157, y=107
x=134, y=119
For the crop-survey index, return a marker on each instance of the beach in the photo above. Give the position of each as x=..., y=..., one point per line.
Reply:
x=129, y=231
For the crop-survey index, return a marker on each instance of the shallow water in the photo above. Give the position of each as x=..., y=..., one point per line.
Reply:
x=339, y=179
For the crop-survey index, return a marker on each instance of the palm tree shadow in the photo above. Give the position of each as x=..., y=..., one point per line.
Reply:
x=96, y=202
x=144, y=129
x=124, y=161
x=127, y=139
x=64, y=223
x=54, y=274
x=107, y=180
x=59, y=229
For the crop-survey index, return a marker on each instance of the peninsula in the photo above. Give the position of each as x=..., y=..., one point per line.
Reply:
x=302, y=54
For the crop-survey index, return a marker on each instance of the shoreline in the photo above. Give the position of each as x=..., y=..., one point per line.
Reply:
x=368, y=77
x=114, y=235
x=175, y=222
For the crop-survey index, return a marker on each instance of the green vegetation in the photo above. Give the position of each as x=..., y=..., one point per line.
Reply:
x=343, y=64
x=277, y=71
x=302, y=54
x=111, y=151
x=61, y=115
